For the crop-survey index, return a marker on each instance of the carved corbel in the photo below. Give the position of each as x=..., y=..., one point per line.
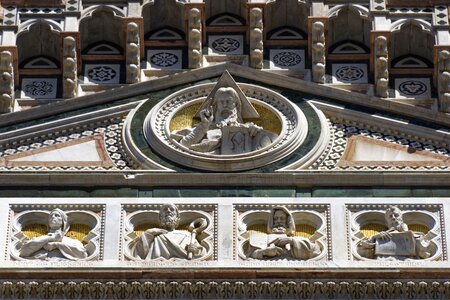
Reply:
x=318, y=51
x=6, y=82
x=256, y=37
x=133, y=53
x=69, y=67
x=195, y=38
x=444, y=80
x=381, y=67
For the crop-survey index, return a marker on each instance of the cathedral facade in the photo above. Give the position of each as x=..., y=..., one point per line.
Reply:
x=223, y=149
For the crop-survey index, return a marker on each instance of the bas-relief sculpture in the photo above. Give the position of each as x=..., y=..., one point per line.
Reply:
x=6, y=82
x=397, y=242
x=444, y=81
x=133, y=53
x=70, y=67
x=279, y=241
x=55, y=245
x=222, y=129
x=381, y=67
x=168, y=242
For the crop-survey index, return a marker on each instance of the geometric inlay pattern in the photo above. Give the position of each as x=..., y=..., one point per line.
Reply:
x=287, y=59
x=226, y=44
x=164, y=59
x=102, y=73
x=39, y=88
x=349, y=73
x=112, y=137
x=418, y=88
x=341, y=134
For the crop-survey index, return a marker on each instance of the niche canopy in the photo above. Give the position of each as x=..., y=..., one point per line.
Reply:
x=225, y=126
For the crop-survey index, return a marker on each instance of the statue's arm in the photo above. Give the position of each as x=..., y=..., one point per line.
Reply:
x=195, y=136
x=33, y=245
x=71, y=248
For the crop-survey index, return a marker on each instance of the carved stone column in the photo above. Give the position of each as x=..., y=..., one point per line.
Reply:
x=69, y=67
x=133, y=53
x=6, y=82
x=381, y=64
x=195, y=38
x=256, y=37
x=444, y=80
x=318, y=50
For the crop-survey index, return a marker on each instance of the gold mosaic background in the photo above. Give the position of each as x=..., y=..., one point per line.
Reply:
x=184, y=118
x=77, y=231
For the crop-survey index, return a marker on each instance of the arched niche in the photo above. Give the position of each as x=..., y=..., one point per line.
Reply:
x=39, y=41
x=163, y=14
x=412, y=40
x=232, y=7
x=287, y=14
x=348, y=24
x=101, y=27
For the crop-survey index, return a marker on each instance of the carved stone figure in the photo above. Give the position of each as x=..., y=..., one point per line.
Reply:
x=280, y=242
x=195, y=39
x=256, y=38
x=318, y=52
x=6, y=82
x=69, y=67
x=444, y=81
x=133, y=53
x=397, y=242
x=222, y=130
x=381, y=67
x=166, y=242
x=54, y=245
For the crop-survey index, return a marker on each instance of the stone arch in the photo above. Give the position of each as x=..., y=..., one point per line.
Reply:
x=361, y=10
x=163, y=13
x=25, y=26
x=235, y=7
x=286, y=13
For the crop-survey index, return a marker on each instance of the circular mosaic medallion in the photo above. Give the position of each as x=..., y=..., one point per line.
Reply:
x=164, y=59
x=413, y=88
x=39, y=88
x=349, y=73
x=102, y=73
x=287, y=59
x=226, y=45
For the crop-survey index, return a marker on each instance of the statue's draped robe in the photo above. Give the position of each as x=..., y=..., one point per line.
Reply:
x=172, y=244
x=71, y=249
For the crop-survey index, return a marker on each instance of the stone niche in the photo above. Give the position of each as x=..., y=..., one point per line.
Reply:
x=146, y=238
x=396, y=232
x=79, y=237
x=261, y=235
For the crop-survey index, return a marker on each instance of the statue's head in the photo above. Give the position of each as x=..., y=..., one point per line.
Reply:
x=57, y=220
x=281, y=221
x=393, y=217
x=226, y=104
x=169, y=216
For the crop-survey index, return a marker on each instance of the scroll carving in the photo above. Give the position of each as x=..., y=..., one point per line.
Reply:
x=6, y=82
x=256, y=38
x=318, y=52
x=195, y=39
x=133, y=53
x=70, y=67
x=381, y=67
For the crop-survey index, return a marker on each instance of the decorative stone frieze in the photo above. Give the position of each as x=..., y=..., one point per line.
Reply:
x=69, y=67
x=195, y=38
x=52, y=234
x=6, y=82
x=133, y=53
x=169, y=232
x=275, y=233
x=381, y=67
x=256, y=37
x=386, y=232
x=318, y=52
